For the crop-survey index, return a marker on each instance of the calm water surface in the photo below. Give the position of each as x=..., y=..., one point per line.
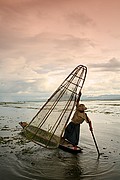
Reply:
x=21, y=159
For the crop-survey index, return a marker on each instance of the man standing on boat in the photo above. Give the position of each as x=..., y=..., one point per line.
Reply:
x=72, y=131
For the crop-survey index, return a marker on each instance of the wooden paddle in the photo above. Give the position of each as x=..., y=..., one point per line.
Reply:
x=95, y=143
x=91, y=129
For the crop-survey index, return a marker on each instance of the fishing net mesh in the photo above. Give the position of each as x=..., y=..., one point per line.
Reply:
x=48, y=125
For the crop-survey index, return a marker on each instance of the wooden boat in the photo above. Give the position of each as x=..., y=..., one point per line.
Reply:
x=68, y=147
x=48, y=125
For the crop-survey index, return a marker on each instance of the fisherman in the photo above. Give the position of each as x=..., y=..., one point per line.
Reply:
x=72, y=131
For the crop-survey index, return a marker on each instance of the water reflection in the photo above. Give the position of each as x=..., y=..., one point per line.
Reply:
x=34, y=162
x=73, y=169
x=49, y=164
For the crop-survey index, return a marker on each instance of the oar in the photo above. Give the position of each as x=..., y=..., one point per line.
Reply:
x=95, y=144
x=91, y=129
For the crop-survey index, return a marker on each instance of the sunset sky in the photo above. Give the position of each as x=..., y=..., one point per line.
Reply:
x=42, y=41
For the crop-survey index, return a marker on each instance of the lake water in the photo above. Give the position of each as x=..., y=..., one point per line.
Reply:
x=21, y=159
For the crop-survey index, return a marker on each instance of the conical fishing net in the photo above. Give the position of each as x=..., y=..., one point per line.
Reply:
x=48, y=125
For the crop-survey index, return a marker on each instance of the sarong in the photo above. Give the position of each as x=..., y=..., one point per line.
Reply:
x=72, y=132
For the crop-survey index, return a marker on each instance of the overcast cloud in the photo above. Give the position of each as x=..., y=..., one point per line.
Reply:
x=41, y=42
x=112, y=65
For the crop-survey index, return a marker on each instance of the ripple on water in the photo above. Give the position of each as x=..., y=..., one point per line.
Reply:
x=57, y=164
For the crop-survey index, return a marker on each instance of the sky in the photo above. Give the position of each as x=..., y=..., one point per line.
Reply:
x=42, y=41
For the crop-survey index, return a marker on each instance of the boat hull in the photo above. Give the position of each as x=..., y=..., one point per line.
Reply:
x=68, y=147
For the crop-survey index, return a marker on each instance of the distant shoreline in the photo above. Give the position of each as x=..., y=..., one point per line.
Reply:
x=25, y=101
x=92, y=99
x=43, y=98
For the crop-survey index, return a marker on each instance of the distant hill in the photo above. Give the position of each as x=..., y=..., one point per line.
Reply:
x=101, y=97
x=43, y=98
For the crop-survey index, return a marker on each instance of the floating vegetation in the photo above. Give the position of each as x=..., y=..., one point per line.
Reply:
x=1, y=139
x=5, y=128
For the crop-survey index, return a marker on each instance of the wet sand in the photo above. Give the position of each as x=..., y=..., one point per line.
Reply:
x=22, y=159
